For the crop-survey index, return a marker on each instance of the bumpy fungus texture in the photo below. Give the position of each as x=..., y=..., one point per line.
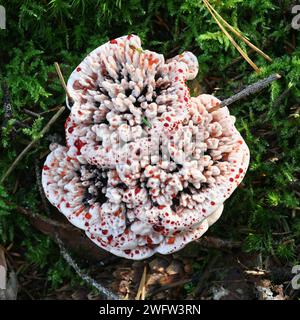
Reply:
x=147, y=167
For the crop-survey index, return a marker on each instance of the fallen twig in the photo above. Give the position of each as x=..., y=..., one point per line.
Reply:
x=20, y=124
x=252, y=88
x=212, y=242
x=31, y=113
x=255, y=272
x=85, y=277
x=44, y=219
x=32, y=143
x=50, y=110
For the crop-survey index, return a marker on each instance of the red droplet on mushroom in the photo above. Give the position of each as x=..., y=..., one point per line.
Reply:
x=71, y=129
x=171, y=240
x=137, y=190
x=118, y=212
x=77, y=85
x=88, y=216
x=79, y=144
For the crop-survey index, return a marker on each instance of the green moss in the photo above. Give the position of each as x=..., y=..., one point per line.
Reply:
x=40, y=33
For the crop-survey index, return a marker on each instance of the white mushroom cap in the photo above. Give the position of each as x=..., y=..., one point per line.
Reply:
x=147, y=168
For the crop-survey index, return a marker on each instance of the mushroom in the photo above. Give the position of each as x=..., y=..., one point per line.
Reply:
x=146, y=167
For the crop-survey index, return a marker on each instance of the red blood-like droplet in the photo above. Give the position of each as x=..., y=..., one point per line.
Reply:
x=79, y=144
x=88, y=215
x=171, y=240
x=137, y=190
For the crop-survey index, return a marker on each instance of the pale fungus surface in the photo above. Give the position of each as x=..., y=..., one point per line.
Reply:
x=146, y=167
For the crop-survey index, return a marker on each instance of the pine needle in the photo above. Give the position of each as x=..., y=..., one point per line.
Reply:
x=62, y=80
x=142, y=287
x=238, y=34
x=240, y=50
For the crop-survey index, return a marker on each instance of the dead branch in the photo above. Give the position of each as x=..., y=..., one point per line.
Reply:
x=252, y=88
x=31, y=113
x=70, y=235
x=213, y=242
x=84, y=276
x=44, y=219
